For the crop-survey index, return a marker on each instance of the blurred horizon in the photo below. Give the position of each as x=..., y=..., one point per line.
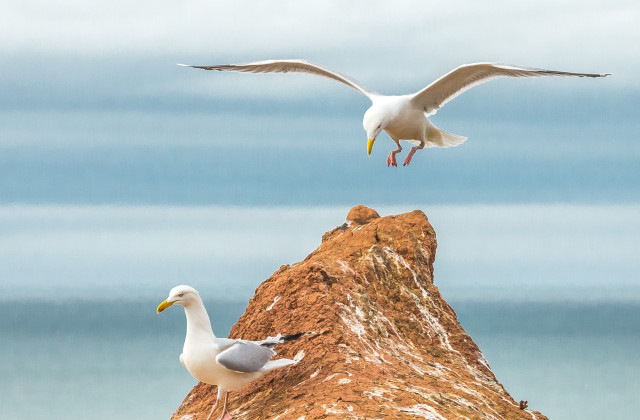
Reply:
x=507, y=253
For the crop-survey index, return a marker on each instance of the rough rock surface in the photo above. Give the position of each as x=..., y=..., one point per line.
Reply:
x=386, y=346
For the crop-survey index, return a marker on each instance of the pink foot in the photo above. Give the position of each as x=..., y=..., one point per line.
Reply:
x=391, y=159
x=410, y=155
x=226, y=416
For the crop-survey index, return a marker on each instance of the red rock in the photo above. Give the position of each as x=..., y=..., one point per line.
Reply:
x=387, y=345
x=361, y=214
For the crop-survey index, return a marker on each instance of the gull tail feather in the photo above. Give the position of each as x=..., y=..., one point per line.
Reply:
x=451, y=140
x=440, y=138
x=276, y=364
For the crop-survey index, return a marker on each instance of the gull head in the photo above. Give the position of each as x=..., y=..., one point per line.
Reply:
x=374, y=122
x=180, y=295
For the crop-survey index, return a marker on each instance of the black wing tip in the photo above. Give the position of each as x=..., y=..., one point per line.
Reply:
x=291, y=337
x=223, y=67
x=285, y=338
x=566, y=73
x=594, y=75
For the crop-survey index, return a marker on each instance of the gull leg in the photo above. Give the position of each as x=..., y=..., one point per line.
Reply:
x=225, y=414
x=411, y=153
x=213, y=408
x=391, y=159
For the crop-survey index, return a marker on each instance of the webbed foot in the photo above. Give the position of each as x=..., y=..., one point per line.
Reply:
x=391, y=159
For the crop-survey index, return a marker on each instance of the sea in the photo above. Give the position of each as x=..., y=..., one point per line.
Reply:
x=550, y=294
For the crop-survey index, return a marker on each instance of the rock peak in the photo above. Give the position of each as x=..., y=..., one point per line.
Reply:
x=362, y=214
x=387, y=345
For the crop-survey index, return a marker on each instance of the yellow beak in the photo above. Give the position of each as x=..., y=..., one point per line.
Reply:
x=164, y=305
x=370, y=146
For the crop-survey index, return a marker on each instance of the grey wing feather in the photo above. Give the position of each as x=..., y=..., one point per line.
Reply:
x=224, y=343
x=245, y=356
x=452, y=84
x=291, y=66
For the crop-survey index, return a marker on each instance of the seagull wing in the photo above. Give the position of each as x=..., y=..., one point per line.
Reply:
x=290, y=66
x=280, y=338
x=452, y=84
x=245, y=356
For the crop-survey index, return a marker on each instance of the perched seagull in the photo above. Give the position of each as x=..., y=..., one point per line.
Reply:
x=224, y=362
x=404, y=117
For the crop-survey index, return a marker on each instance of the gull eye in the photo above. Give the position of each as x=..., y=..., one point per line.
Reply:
x=181, y=294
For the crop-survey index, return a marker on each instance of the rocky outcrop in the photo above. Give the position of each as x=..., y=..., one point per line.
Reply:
x=386, y=346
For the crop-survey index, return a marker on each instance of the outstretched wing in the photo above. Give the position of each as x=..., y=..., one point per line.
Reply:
x=452, y=84
x=290, y=66
x=245, y=356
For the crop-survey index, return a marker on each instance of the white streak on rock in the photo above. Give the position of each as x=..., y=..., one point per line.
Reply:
x=483, y=361
x=352, y=321
x=423, y=410
x=282, y=415
x=330, y=377
x=440, y=331
x=345, y=267
x=378, y=393
x=332, y=409
x=299, y=356
x=275, y=300
x=482, y=398
x=399, y=260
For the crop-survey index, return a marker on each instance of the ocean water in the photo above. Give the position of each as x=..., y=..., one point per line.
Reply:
x=568, y=360
x=106, y=359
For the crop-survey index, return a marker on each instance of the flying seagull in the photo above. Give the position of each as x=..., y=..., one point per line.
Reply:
x=224, y=362
x=404, y=117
